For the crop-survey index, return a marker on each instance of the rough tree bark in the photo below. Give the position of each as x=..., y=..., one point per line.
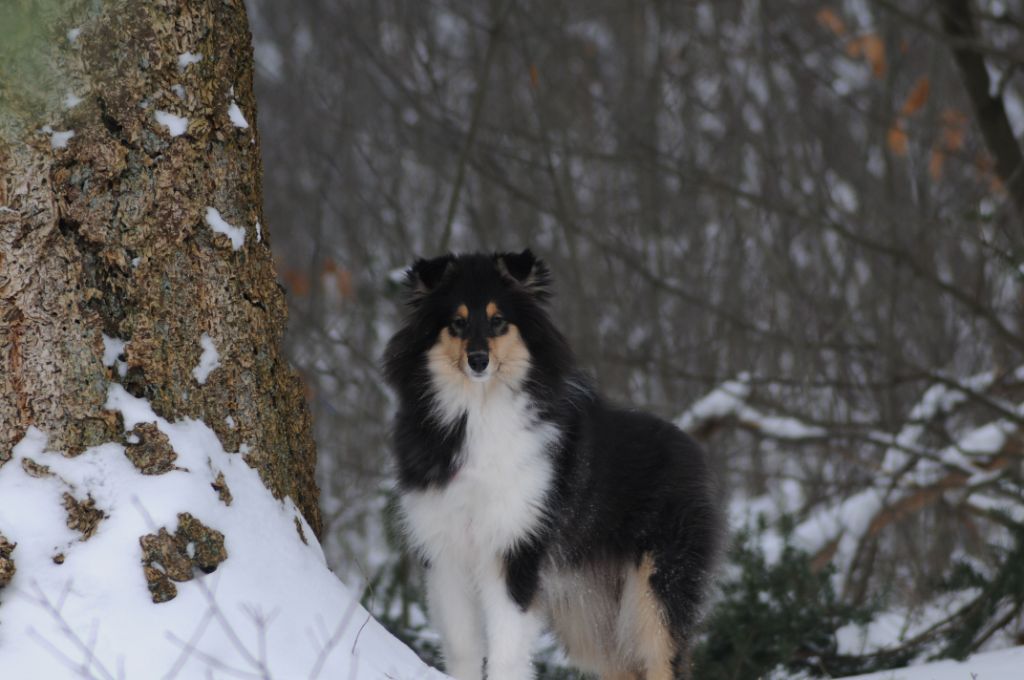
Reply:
x=108, y=233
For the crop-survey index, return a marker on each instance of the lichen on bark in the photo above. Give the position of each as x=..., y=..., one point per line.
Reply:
x=7, y=567
x=150, y=450
x=168, y=557
x=82, y=515
x=34, y=469
x=220, y=485
x=301, y=531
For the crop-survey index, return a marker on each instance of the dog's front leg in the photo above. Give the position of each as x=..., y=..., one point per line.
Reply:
x=455, y=612
x=512, y=629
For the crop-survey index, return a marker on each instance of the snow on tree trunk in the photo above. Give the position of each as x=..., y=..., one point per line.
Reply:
x=151, y=431
x=105, y=239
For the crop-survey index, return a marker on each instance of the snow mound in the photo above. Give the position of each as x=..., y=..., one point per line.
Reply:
x=80, y=607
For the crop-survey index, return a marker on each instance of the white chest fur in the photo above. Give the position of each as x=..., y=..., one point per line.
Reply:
x=497, y=496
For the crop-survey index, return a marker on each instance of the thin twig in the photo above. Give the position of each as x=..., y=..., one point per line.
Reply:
x=186, y=652
x=213, y=662
x=87, y=651
x=335, y=638
x=229, y=630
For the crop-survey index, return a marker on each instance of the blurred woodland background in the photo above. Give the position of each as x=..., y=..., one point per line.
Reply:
x=795, y=227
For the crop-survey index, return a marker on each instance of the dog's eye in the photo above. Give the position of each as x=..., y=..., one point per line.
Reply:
x=498, y=324
x=457, y=325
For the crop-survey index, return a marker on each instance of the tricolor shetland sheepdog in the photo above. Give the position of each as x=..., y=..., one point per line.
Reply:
x=533, y=501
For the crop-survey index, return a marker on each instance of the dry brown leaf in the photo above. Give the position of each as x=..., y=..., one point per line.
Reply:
x=874, y=51
x=953, y=138
x=534, y=77
x=953, y=129
x=935, y=163
x=830, y=20
x=987, y=169
x=855, y=48
x=296, y=281
x=954, y=117
x=917, y=97
x=344, y=282
x=897, y=140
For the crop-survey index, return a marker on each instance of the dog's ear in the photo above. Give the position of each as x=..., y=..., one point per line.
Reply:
x=426, y=275
x=527, y=270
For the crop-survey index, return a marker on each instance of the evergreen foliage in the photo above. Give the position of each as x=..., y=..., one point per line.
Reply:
x=775, y=616
x=1000, y=598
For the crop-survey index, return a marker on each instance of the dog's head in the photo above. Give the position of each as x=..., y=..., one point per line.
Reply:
x=474, y=317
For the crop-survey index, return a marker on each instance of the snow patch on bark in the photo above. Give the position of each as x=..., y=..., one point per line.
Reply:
x=208, y=361
x=58, y=138
x=176, y=125
x=235, y=114
x=185, y=59
x=222, y=226
x=113, y=348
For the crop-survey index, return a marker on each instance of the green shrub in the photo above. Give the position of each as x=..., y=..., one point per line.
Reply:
x=777, y=617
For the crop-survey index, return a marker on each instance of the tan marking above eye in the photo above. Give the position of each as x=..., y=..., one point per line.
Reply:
x=492, y=309
x=463, y=311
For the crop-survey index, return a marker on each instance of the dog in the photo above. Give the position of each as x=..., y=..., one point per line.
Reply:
x=533, y=502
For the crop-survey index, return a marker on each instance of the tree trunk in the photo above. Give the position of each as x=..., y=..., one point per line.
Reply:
x=144, y=227
x=989, y=110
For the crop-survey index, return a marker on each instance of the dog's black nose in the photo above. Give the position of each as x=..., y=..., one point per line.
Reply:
x=477, y=361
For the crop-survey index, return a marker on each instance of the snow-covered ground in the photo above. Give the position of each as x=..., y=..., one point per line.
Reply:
x=79, y=605
x=80, y=608
x=1005, y=664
